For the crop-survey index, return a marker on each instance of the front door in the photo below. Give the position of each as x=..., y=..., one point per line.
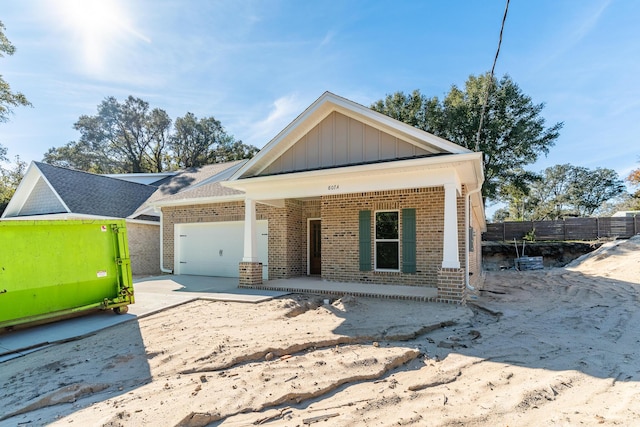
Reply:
x=315, y=246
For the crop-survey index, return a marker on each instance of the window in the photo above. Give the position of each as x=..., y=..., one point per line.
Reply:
x=387, y=240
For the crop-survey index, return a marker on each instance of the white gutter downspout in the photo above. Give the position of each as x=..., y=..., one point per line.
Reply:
x=162, y=269
x=467, y=214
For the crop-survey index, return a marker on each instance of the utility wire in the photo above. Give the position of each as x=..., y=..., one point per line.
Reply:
x=486, y=94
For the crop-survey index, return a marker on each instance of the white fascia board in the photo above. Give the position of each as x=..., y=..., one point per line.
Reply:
x=197, y=201
x=411, y=173
x=26, y=186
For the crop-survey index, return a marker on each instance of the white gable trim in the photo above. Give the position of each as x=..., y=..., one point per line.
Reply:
x=24, y=190
x=320, y=109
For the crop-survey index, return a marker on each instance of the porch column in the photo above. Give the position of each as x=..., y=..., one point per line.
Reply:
x=250, y=267
x=250, y=251
x=450, y=258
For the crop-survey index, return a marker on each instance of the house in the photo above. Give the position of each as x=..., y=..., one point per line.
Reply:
x=342, y=193
x=52, y=192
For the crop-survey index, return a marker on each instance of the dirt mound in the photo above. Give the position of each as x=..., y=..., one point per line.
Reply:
x=619, y=260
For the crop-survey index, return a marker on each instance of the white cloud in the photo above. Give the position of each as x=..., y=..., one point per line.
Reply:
x=282, y=112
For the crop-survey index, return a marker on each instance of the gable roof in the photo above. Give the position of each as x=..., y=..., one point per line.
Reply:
x=424, y=143
x=81, y=192
x=47, y=189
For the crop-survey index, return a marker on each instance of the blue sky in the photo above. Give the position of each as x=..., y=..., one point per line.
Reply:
x=255, y=65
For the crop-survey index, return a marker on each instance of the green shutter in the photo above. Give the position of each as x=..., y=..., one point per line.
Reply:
x=365, y=240
x=408, y=240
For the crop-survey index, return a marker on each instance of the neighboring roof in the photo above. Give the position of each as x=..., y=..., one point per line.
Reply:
x=320, y=109
x=77, y=192
x=91, y=194
x=194, y=183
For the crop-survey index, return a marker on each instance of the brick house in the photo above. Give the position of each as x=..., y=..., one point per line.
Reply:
x=343, y=193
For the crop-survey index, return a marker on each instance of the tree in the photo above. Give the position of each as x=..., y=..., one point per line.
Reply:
x=197, y=142
x=85, y=156
x=8, y=99
x=513, y=135
x=592, y=187
x=122, y=137
x=565, y=190
x=517, y=192
x=634, y=179
x=9, y=180
x=131, y=137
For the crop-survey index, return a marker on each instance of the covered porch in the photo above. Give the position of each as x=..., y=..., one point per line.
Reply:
x=430, y=187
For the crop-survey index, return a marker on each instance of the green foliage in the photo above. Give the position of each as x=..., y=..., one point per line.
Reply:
x=530, y=236
x=561, y=191
x=131, y=137
x=634, y=179
x=9, y=180
x=8, y=99
x=513, y=134
x=201, y=141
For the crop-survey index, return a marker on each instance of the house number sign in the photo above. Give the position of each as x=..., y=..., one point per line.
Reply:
x=333, y=187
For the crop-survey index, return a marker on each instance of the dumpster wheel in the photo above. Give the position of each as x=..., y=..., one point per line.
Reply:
x=121, y=310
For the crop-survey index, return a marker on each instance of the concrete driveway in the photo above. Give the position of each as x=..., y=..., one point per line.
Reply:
x=152, y=294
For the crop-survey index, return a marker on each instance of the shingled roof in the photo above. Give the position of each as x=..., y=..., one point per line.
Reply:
x=87, y=193
x=48, y=189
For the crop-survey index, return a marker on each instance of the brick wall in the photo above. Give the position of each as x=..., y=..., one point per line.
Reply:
x=451, y=287
x=340, y=254
x=144, y=248
x=287, y=230
x=250, y=274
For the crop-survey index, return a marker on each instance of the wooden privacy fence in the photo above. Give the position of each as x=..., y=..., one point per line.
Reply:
x=565, y=229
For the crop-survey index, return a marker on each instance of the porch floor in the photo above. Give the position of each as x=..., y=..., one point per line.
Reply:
x=311, y=284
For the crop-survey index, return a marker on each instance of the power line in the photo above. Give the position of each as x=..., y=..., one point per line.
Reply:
x=486, y=94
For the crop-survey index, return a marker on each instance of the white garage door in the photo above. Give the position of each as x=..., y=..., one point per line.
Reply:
x=216, y=248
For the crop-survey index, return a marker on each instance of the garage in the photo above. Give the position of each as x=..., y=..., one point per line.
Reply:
x=216, y=248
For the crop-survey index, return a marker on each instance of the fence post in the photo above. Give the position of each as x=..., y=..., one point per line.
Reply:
x=597, y=228
x=564, y=229
x=504, y=232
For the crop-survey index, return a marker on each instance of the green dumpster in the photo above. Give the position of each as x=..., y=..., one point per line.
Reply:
x=51, y=269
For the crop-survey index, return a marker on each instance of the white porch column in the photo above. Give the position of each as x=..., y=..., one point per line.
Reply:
x=450, y=258
x=250, y=245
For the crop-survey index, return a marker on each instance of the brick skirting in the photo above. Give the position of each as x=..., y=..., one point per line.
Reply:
x=250, y=273
x=451, y=287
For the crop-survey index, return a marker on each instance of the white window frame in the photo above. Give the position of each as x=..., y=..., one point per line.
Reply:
x=376, y=240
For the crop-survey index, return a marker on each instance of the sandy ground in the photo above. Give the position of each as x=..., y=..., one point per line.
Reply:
x=553, y=347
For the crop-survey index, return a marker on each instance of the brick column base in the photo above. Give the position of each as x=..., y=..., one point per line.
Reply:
x=451, y=288
x=250, y=273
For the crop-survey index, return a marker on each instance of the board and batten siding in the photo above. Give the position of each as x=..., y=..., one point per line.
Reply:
x=339, y=140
